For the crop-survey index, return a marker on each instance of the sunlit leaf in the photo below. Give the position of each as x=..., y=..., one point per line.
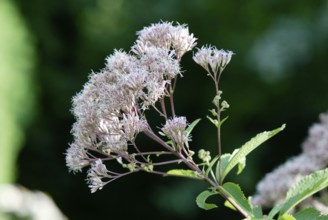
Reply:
x=229, y=205
x=249, y=147
x=184, y=173
x=286, y=217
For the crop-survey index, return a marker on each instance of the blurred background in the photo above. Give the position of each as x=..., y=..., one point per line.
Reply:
x=48, y=48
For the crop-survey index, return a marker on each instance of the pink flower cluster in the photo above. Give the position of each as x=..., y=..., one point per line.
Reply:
x=273, y=188
x=109, y=111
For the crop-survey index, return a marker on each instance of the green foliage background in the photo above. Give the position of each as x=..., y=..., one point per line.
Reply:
x=278, y=75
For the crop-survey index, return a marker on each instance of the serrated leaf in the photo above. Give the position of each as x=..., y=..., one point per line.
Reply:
x=249, y=147
x=191, y=127
x=201, y=200
x=286, y=217
x=304, y=188
x=305, y=214
x=222, y=163
x=234, y=191
x=184, y=173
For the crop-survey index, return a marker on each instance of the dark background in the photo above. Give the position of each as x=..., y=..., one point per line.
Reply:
x=278, y=75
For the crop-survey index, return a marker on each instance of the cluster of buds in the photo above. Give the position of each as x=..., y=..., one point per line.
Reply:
x=110, y=110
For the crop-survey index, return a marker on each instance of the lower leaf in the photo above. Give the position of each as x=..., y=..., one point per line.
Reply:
x=201, y=200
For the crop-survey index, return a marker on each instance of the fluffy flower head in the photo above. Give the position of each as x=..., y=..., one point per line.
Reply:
x=175, y=128
x=165, y=35
x=212, y=59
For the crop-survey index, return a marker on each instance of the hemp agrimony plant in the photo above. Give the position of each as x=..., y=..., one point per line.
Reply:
x=111, y=112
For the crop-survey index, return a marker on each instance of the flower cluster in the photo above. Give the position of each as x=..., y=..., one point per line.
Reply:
x=166, y=36
x=110, y=110
x=212, y=59
x=272, y=189
x=174, y=129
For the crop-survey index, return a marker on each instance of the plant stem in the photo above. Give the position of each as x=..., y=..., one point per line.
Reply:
x=163, y=107
x=166, y=162
x=137, y=149
x=172, y=102
x=218, y=115
x=189, y=164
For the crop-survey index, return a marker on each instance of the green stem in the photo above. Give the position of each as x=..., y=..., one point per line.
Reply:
x=189, y=164
x=218, y=113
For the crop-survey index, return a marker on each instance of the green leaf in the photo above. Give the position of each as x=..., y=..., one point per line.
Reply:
x=201, y=200
x=304, y=188
x=241, y=165
x=222, y=121
x=191, y=127
x=286, y=217
x=211, y=165
x=234, y=191
x=229, y=205
x=222, y=163
x=214, y=121
x=184, y=173
x=249, y=147
x=257, y=211
x=274, y=211
x=305, y=214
